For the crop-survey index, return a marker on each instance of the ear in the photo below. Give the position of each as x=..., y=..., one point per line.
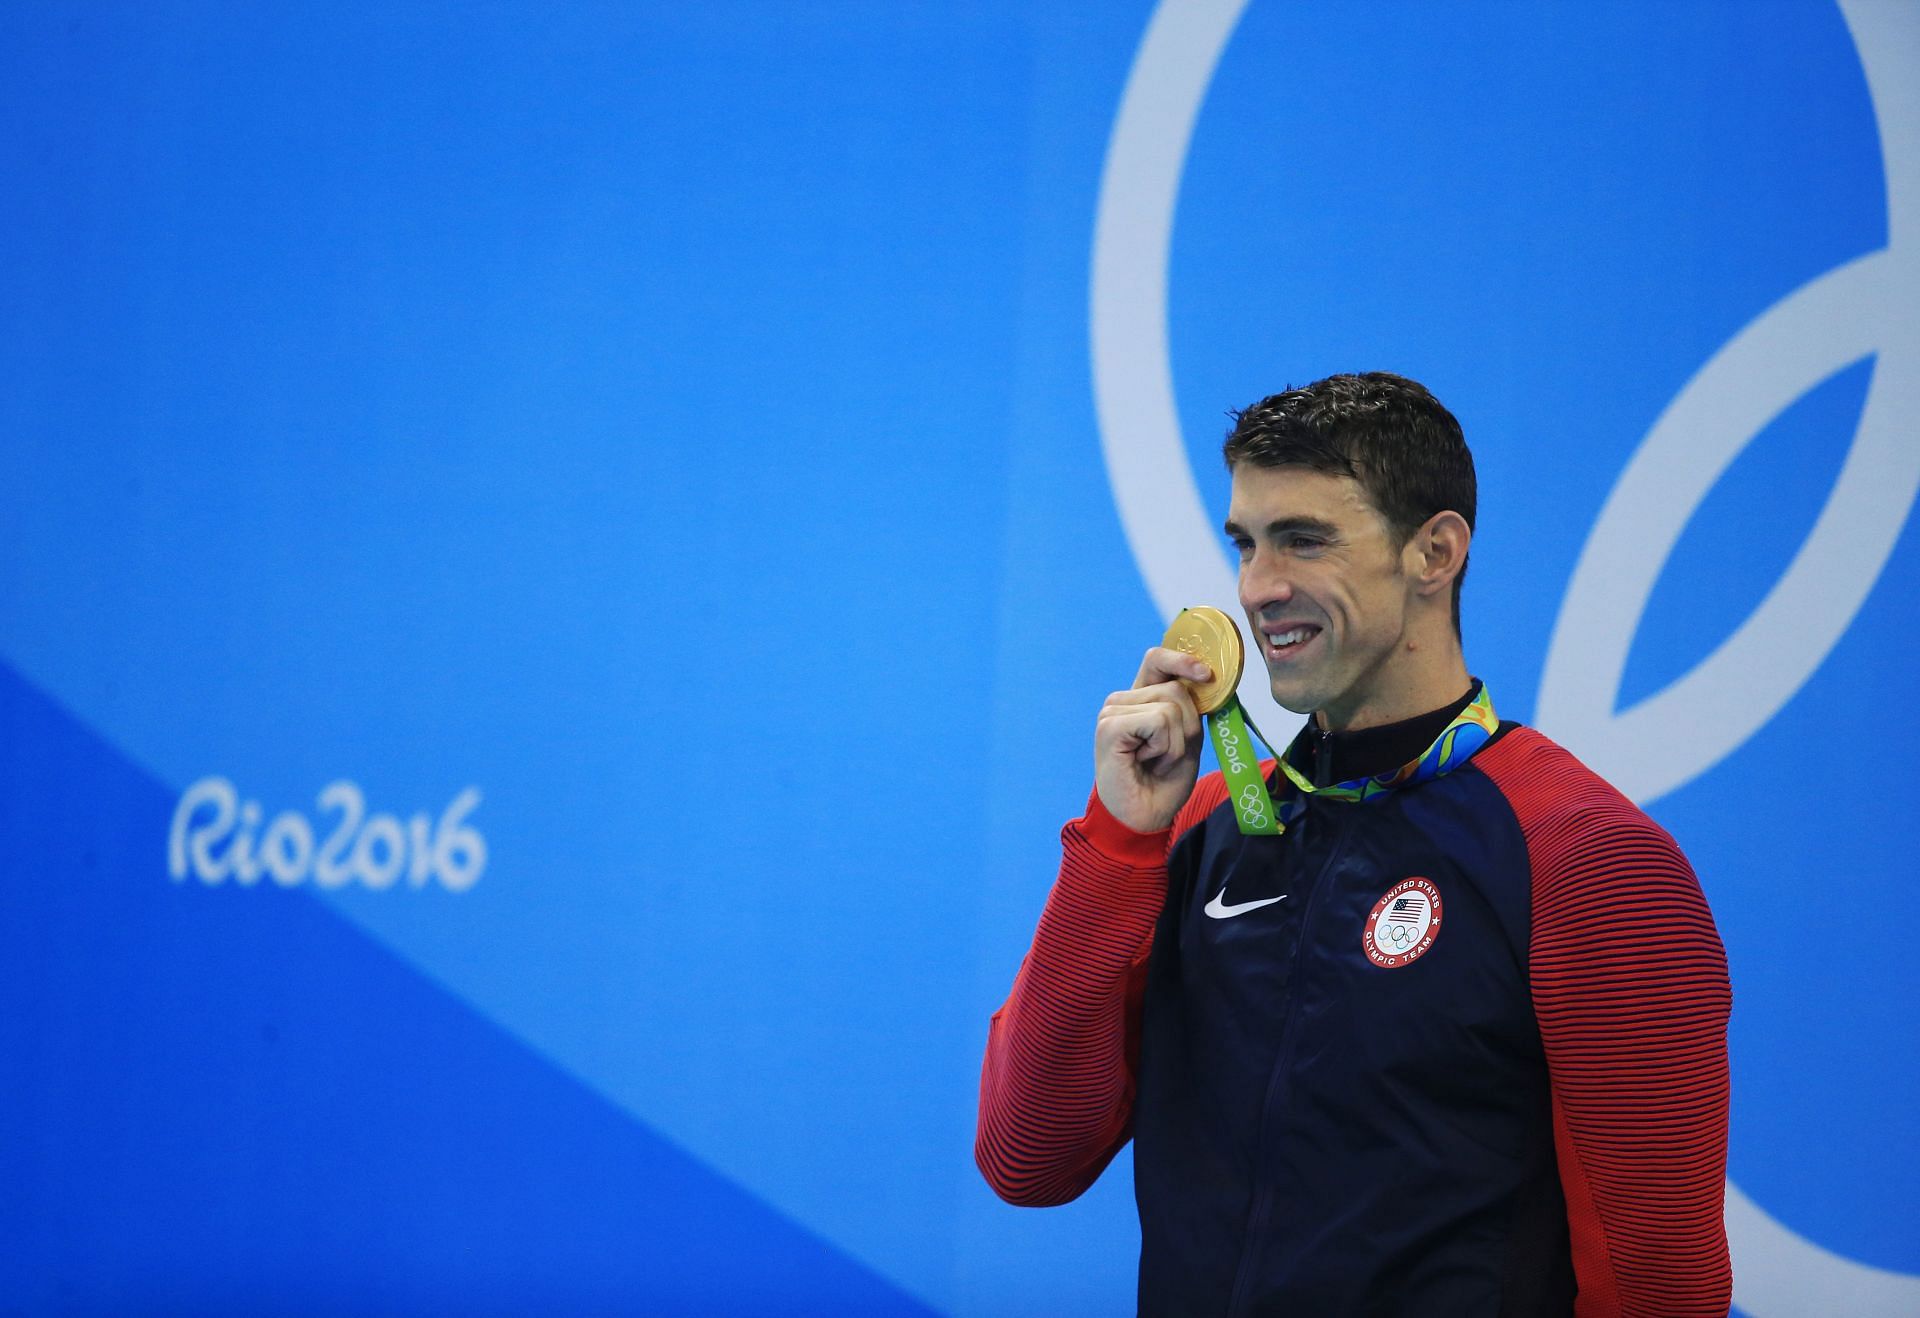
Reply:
x=1437, y=553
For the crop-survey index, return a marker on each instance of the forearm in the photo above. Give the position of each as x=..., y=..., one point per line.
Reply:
x=1056, y=1089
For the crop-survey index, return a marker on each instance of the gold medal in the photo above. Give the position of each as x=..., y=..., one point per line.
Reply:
x=1211, y=637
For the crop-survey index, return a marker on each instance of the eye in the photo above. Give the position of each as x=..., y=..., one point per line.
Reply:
x=1305, y=543
x=1243, y=547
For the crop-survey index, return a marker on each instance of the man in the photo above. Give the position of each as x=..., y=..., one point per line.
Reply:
x=1454, y=1042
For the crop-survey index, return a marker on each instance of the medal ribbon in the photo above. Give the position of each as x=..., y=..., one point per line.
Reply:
x=1233, y=736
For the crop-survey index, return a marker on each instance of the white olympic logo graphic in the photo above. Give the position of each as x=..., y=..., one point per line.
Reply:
x=1252, y=808
x=1861, y=308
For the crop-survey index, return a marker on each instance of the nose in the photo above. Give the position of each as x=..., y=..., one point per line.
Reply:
x=1264, y=581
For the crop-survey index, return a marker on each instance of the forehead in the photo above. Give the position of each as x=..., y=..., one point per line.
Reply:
x=1262, y=495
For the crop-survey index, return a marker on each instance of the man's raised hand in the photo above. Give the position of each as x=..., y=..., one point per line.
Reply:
x=1146, y=744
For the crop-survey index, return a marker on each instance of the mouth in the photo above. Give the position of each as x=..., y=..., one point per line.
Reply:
x=1282, y=643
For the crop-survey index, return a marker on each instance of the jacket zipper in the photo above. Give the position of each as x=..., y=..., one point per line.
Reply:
x=1283, y=1065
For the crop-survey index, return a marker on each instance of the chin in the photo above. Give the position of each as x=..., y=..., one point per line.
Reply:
x=1293, y=699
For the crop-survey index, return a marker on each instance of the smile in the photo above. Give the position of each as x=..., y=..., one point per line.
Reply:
x=1287, y=642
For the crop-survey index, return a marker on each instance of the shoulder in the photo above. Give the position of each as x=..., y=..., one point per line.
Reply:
x=1209, y=794
x=1549, y=789
x=1606, y=878
x=1583, y=837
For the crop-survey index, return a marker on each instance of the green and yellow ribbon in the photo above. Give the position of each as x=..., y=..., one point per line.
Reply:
x=1234, y=736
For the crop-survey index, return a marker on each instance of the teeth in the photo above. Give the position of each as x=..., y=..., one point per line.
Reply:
x=1293, y=637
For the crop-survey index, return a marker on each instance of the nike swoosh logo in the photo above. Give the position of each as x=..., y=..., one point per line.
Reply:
x=1219, y=909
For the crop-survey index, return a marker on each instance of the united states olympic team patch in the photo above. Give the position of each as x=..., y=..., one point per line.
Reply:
x=1404, y=923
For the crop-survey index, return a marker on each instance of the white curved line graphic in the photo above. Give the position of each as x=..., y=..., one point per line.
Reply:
x=1861, y=308
x=1780, y=1274
x=1172, y=538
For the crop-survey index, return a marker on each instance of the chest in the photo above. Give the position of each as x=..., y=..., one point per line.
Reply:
x=1394, y=931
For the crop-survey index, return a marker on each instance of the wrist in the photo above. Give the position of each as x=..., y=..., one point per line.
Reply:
x=1119, y=840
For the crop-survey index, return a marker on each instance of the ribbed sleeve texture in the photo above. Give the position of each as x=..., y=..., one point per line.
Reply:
x=1056, y=1090
x=1630, y=987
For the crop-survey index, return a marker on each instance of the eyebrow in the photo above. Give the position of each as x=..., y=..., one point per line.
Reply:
x=1286, y=526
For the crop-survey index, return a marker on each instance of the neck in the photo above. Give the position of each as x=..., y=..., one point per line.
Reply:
x=1429, y=678
x=1382, y=747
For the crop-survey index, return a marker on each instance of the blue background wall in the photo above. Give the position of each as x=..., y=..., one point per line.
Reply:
x=677, y=425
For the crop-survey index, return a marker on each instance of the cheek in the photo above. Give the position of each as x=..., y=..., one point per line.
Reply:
x=1389, y=608
x=1344, y=598
x=1368, y=607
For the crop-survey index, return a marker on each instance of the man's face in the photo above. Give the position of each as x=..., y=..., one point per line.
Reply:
x=1323, y=583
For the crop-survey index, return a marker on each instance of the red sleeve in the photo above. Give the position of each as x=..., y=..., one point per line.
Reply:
x=1630, y=988
x=1056, y=1090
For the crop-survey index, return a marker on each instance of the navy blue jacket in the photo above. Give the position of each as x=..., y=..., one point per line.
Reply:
x=1522, y=1112
x=1318, y=1132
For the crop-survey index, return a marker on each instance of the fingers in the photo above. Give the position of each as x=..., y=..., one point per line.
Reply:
x=1147, y=733
x=1162, y=665
x=1175, y=694
x=1147, y=741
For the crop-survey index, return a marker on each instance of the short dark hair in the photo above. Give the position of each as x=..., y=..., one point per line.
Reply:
x=1384, y=430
